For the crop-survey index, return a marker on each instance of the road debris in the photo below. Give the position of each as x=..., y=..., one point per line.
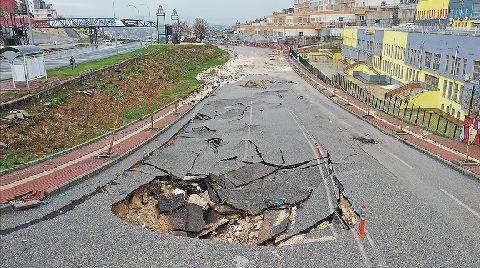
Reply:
x=262, y=84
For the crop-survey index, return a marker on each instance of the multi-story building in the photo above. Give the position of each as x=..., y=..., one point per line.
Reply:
x=43, y=10
x=440, y=67
x=313, y=21
x=448, y=13
x=301, y=28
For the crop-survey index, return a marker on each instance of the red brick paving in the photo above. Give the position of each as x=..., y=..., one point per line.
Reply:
x=83, y=167
x=455, y=145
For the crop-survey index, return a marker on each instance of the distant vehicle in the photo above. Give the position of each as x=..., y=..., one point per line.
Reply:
x=272, y=57
x=107, y=42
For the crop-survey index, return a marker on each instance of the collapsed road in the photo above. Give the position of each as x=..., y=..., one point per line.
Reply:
x=241, y=171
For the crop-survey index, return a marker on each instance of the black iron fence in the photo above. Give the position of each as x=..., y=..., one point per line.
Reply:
x=427, y=119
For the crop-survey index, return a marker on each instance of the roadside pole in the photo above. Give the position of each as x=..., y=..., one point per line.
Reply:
x=30, y=32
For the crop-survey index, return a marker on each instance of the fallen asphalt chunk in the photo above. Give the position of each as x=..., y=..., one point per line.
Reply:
x=195, y=220
x=313, y=212
x=169, y=204
x=274, y=223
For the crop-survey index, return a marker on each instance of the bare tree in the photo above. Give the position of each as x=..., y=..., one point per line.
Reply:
x=185, y=29
x=200, y=28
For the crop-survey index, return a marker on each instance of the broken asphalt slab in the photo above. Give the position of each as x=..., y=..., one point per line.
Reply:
x=274, y=223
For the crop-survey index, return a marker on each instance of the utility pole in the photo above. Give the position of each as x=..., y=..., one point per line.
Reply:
x=30, y=32
x=471, y=102
x=115, y=22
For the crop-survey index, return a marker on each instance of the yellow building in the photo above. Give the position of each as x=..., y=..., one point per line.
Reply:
x=434, y=67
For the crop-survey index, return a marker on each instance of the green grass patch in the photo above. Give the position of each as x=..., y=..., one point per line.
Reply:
x=65, y=72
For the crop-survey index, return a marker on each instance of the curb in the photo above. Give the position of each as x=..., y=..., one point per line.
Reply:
x=412, y=145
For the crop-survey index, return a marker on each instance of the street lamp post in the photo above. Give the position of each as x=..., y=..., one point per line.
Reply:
x=160, y=15
x=138, y=18
x=115, y=22
x=30, y=32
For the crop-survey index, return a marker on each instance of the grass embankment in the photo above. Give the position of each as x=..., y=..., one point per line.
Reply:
x=68, y=118
x=66, y=71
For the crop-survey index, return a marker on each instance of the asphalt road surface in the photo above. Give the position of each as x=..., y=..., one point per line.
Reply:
x=62, y=58
x=420, y=212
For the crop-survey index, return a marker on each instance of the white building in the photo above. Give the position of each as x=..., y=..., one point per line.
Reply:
x=43, y=10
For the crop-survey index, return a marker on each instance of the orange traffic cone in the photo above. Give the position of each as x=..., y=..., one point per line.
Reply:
x=319, y=151
x=363, y=213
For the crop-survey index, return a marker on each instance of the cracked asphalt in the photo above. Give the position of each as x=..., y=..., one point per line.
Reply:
x=420, y=212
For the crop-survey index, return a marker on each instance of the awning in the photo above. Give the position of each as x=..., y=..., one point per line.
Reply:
x=10, y=53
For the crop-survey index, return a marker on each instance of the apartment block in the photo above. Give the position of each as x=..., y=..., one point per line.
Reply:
x=441, y=70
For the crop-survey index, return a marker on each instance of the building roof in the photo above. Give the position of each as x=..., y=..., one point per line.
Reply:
x=11, y=53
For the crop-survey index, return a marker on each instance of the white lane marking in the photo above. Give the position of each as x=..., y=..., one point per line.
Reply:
x=399, y=159
x=381, y=260
x=249, y=131
x=325, y=183
x=397, y=126
x=366, y=260
x=461, y=203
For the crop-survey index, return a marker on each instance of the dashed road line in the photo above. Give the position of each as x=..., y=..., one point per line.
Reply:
x=461, y=203
x=399, y=159
x=366, y=260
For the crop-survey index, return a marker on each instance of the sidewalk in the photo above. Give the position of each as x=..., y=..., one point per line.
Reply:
x=36, y=181
x=445, y=149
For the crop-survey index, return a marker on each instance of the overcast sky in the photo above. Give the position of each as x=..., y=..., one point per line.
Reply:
x=214, y=11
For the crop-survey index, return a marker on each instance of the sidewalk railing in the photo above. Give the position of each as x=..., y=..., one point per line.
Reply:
x=427, y=119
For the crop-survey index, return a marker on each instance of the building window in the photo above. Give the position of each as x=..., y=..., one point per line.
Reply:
x=450, y=90
x=455, y=93
x=436, y=62
x=458, y=114
x=457, y=67
x=464, y=70
x=476, y=71
x=447, y=64
x=444, y=93
x=428, y=59
x=460, y=95
x=443, y=106
x=452, y=70
x=431, y=82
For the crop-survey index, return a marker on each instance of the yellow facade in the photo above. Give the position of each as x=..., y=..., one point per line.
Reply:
x=462, y=23
x=393, y=56
x=392, y=64
x=350, y=36
x=432, y=9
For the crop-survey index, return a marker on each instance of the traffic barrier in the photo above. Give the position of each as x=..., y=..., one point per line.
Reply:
x=319, y=151
x=363, y=215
